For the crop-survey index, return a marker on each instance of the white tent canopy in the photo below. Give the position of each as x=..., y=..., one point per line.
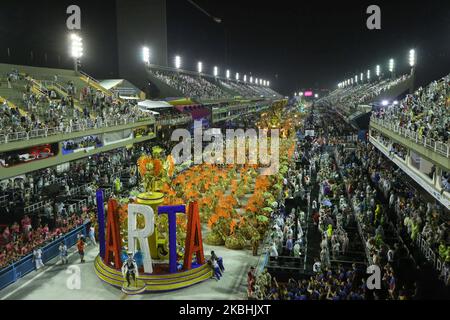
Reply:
x=150, y=104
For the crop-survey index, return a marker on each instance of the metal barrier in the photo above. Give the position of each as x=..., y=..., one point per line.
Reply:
x=429, y=253
x=174, y=121
x=34, y=207
x=25, y=265
x=436, y=146
x=89, y=125
x=4, y=200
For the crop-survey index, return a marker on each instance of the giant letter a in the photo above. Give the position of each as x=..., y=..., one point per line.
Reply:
x=194, y=243
x=113, y=241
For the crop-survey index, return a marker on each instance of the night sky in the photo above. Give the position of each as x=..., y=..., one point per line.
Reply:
x=295, y=44
x=303, y=44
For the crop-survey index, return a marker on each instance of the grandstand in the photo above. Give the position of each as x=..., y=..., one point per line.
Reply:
x=170, y=182
x=206, y=88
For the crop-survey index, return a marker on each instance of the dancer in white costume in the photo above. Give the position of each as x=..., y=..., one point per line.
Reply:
x=130, y=269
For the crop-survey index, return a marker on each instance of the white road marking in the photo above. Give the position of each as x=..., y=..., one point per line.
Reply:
x=36, y=276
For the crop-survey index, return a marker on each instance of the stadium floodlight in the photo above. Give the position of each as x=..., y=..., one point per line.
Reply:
x=412, y=58
x=351, y=80
x=146, y=55
x=76, y=49
x=368, y=74
x=76, y=46
x=268, y=83
x=384, y=102
x=200, y=67
x=177, y=62
x=228, y=74
x=378, y=70
x=245, y=78
x=260, y=82
x=395, y=102
x=301, y=94
x=356, y=79
x=391, y=65
x=237, y=76
x=295, y=94
x=256, y=81
x=316, y=95
x=216, y=71
x=251, y=79
x=362, y=76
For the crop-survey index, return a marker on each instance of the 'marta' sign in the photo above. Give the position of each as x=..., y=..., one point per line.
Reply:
x=194, y=244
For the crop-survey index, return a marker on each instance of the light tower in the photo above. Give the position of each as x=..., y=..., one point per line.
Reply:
x=391, y=67
x=146, y=55
x=76, y=50
x=412, y=64
x=177, y=62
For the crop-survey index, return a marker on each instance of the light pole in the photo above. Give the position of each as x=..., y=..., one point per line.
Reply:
x=146, y=55
x=412, y=60
x=177, y=62
x=216, y=71
x=391, y=67
x=412, y=64
x=76, y=50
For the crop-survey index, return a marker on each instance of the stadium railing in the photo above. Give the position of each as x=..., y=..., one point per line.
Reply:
x=429, y=253
x=431, y=144
x=45, y=132
x=19, y=269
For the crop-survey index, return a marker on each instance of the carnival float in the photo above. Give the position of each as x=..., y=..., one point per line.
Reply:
x=161, y=229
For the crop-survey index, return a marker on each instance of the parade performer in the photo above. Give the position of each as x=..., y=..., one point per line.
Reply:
x=63, y=253
x=37, y=258
x=130, y=268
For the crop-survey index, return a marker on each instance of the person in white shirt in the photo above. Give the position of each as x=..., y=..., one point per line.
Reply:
x=92, y=235
x=63, y=253
x=317, y=266
x=37, y=257
x=273, y=250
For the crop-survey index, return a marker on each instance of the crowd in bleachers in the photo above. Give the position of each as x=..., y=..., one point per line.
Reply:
x=426, y=112
x=85, y=142
x=331, y=214
x=17, y=241
x=41, y=108
x=57, y=216
x=391, y=229
x=328, y=284
x=346, y=99
x=364, y=186
x=201, y=87
x=196, y=87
